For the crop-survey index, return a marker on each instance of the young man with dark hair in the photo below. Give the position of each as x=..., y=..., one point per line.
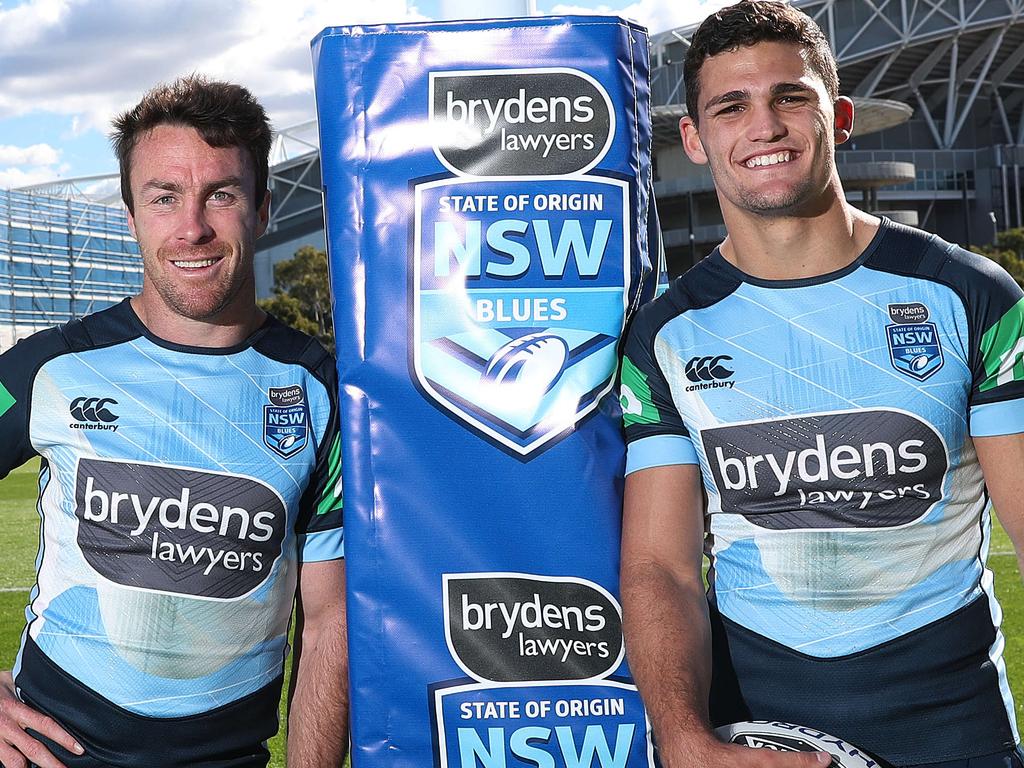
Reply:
x=849, y=393
x=190, y=482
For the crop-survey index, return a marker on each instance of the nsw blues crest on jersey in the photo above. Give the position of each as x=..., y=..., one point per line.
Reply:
x=913, y=342
x=286, y=420
x=520, y=263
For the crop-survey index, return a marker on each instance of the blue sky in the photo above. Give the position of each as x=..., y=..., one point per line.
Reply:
x=68, y=66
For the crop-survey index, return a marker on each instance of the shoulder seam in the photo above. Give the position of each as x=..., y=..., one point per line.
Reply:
x=311, y=356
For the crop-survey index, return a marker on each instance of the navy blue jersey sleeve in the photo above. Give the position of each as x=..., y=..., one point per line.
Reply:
x=18, y=369
x=320, y=525
x=995, y=313
x=655, y=433
x=994, y=308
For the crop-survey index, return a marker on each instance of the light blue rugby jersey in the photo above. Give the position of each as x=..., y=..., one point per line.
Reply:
x=179, y=489
x=832, y=420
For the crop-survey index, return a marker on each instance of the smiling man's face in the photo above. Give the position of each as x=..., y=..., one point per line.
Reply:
x=767, y=128
x=196, y=220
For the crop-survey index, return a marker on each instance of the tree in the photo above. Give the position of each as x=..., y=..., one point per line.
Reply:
x=1008, y=252
x=302, y=295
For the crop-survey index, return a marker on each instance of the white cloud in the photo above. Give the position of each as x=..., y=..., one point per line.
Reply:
x=90, y=59
x=656, y=15
x=11, y=178
x=22, y=166
x=81, y=62
x=37, y=154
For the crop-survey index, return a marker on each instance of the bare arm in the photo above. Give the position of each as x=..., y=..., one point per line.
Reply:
x=17, y=748
x=318, y=698
x=665, y=621
x=1002, y=463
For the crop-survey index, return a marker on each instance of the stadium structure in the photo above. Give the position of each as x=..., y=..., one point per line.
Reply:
x=938, y=141
x=60, y=257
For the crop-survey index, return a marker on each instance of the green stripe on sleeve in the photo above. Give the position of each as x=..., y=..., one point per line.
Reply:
x=1002, y=348
x=6, y=400
x=332, y=498
x=635, y=398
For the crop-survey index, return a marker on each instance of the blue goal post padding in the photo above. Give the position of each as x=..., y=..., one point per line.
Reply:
x=487, y=201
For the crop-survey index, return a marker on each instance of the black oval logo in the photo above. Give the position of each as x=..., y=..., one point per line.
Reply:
x=856, y=469
x=548, y=122
x=180, y=531
x=516, y=627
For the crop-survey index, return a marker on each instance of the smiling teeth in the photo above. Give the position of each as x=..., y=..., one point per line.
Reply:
x=195, y=264
x=779, y=157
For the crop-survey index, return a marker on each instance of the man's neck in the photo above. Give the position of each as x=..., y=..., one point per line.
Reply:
x=228, y=329
x=798, y=246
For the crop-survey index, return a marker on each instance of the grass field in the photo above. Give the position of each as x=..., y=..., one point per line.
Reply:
x=18, y=544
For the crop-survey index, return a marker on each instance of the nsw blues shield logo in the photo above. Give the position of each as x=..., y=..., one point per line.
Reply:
x=914, y=347
x=518, y=299
x=286, y=420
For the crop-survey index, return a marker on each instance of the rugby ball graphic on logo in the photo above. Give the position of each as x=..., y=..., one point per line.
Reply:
x=786, y=737
x=920, y=362
x=533, y=362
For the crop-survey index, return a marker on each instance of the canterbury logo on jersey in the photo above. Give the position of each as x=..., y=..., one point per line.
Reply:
x=93, y=413
x=709, y=372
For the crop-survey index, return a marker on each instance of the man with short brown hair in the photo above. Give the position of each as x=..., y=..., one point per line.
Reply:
x=190, y=482
x=848, y=392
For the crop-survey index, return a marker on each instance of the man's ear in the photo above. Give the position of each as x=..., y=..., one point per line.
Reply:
x=263, y=215
x=131, y=223
x=844, y=119
x=691, y=141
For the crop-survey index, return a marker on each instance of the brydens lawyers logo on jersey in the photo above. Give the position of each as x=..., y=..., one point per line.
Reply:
x=850, y=469
x=93, y=413
x=286, y=420
x=176, y=530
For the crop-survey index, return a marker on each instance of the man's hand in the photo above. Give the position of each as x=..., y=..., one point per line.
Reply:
x=715, y=754
x=17, y=748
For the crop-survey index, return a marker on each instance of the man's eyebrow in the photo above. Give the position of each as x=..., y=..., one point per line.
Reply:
x=227, y=181
x=780, y=88
x=168, y=186
x=727, y=97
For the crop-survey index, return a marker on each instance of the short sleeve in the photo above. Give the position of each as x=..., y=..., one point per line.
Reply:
x=997, y=392
x=655, y=433
x=321, y=524
x=18, y=368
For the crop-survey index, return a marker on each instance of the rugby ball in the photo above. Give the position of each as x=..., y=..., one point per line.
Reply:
x=533, y=362
x=786, y=737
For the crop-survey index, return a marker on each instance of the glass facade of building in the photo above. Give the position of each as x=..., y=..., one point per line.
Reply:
x=61, y=259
